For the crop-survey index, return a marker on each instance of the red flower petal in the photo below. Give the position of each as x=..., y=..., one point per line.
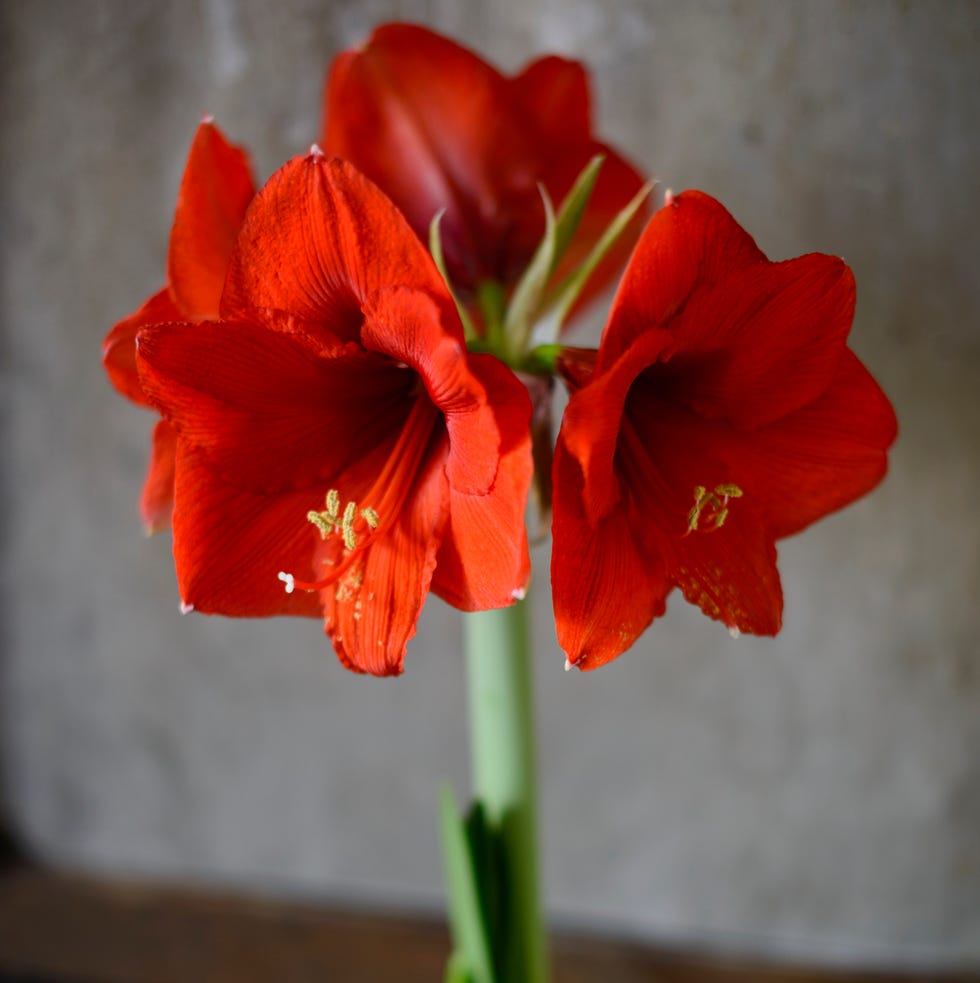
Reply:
x=726, y=564
x=272, y=411
x=435, y=127
x=689, y=244
x=555, y=92
x=483, y=562
x=157, y=501
x=594, y=416
x=215, y=192
x=606, y=586
x=730, y=573
x=230, y=544
x=575, y=366
x=371, y=613
x=821, y=457
x=408, y=326
x=318, y=241
x=439, y=129
x=487, y=411
x=119, y=347
x=762, y=342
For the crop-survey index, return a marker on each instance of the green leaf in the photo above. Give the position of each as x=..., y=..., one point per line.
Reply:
x=490, y=873
x=472, y=960
x=560, y=301
x=456, y=971
x=435, y=248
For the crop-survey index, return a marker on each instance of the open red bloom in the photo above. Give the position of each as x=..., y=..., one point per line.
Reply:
x=215, y=191
x=335, y=436
x=722, y=411
x=436, y=128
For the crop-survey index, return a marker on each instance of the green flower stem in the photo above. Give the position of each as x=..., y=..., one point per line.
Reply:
x=501, y=715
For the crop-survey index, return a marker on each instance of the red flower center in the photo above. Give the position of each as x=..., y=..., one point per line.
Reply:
x=357, y=524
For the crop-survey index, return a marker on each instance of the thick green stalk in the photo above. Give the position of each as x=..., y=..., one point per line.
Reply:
x=501, y=714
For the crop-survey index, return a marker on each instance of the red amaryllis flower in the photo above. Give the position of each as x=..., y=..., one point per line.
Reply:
x=436, y=127
x=214, y=193
x=335, y=436
x=722, y=411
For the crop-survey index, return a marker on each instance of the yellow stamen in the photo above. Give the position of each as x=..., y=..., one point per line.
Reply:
x=728, y=491
x=711, y=507
x=330, y=519
x=350, y=537
x=327, y=520
x=359, y=525
x=322, y=521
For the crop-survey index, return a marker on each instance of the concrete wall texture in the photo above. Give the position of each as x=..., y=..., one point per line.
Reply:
x=818, y=794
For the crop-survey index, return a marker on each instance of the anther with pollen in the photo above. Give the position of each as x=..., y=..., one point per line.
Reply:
x=710, y=508
x=329, y=521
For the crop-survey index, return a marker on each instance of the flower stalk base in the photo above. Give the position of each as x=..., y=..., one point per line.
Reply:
x=491, y=856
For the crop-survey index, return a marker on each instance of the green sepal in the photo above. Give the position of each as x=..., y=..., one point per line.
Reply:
x=492, y=300
x=573, y=205
x=527, y=296
x=559, y=302
x=435, y=248
x=528, y=299
x=472, y=958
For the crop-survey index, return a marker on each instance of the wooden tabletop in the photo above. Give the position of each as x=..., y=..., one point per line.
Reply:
x=62, y=927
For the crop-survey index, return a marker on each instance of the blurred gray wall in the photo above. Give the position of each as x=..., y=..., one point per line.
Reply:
x=818, y=794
